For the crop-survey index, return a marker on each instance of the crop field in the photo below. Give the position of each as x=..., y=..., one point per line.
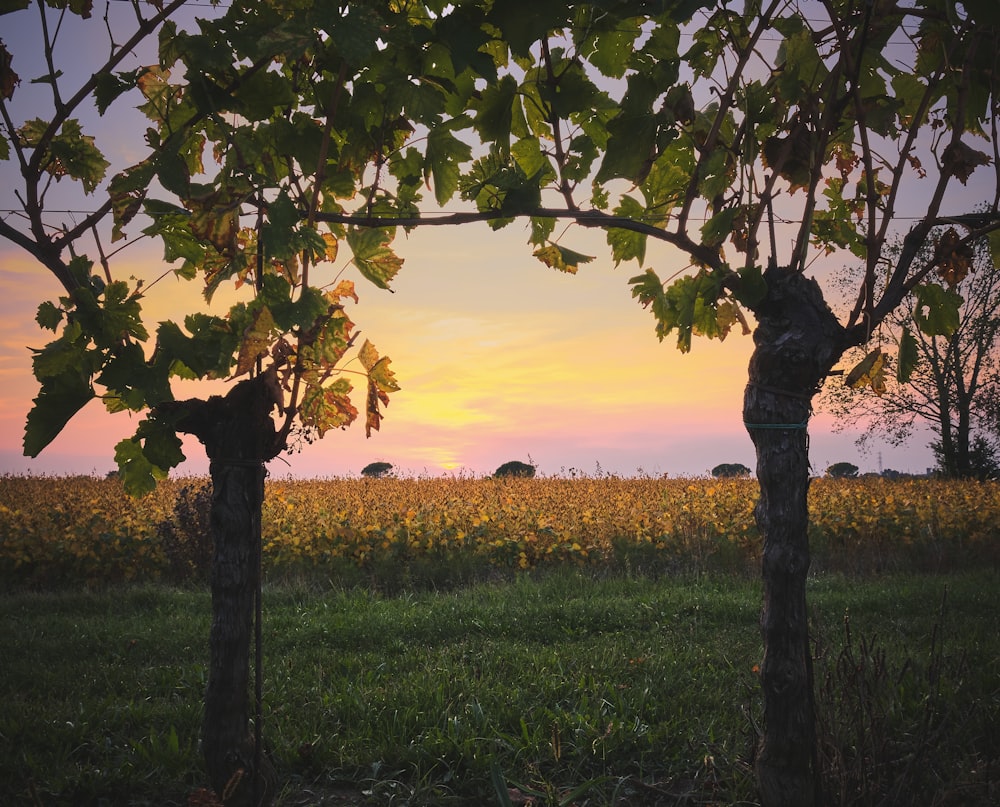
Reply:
x=397, y=532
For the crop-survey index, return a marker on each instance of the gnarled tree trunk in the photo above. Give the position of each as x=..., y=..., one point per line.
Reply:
x=797, y=341
x=239, y=436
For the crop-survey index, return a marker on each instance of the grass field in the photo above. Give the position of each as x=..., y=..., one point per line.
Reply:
x=555, y=687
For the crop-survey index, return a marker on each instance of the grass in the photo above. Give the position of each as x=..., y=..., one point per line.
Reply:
x=562, y=687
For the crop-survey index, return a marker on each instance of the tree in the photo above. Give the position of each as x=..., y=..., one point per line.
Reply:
x=376, y=470
x=327, y=120
x=842, y=470
x=515, y=468
x=947, y=379
x=728, y=470
x=235, y=170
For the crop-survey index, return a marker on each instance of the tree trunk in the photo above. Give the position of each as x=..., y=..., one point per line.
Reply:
x=239, y=436
x=797, y=341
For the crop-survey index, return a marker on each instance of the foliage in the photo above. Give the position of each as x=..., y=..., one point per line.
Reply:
x=842, y=470
x=516, y=468
x=983, y=458
x=947, y=381
x=730, y=469
x=444, y=532
x=376, y=470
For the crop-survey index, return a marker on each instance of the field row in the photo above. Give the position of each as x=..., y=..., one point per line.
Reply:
x=86, y=529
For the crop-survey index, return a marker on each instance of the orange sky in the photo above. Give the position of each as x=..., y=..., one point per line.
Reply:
x=498, y=358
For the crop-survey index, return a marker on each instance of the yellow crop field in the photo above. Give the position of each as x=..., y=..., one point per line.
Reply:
x=86, y=529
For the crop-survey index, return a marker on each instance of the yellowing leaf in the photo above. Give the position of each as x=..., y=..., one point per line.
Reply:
x=215, y=217
x=557, y=257
x=325, y=408
x=332, y=246
x=952, y=258
x=154, y=84
x=345, y=288
x=256, y=340
x=368, y=355
x=381, y=382
x=383, y=376
x=727, y=314
x=870, y=371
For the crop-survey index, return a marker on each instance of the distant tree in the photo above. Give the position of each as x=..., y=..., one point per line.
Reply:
x=983, y=458
x=730, y=469
x=842, y=470
x=515, y=468
x=376, y=470
x=946, y=376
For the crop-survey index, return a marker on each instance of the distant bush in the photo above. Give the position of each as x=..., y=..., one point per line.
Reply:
x=729, y=470
x=842, y=470
x=376, y=470
x=515, y=468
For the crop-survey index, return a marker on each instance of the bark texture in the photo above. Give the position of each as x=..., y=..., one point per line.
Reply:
x=239, y=436
x=797, y=341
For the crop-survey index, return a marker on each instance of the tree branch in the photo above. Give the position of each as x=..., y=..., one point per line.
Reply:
x=585, y=218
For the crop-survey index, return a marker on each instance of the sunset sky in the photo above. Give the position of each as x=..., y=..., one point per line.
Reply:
x=498, y=358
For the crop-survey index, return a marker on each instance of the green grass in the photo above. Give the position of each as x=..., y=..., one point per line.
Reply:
x=578, y=689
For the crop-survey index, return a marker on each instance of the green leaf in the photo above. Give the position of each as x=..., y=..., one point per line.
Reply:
x=160, y=445
x=9, y=6
x=689, y=305
x=173, y=225
x=494, y=112
x=61, y=396
x=75, y=154
x=443, y=160
x=631, y=148
x=49, y=316
x=262, y=93
x=907, y=357
x=206, y=353
x=718, y=228
x=610, y=50
x=109, y=86
x=132, y=382
x=138, y=475
x=527, y=153
x=937, y=310
x=994, y=237
x=542, y=228
x=752, y=288
x=373, y=256
x=147, y=457
x=625, y=244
